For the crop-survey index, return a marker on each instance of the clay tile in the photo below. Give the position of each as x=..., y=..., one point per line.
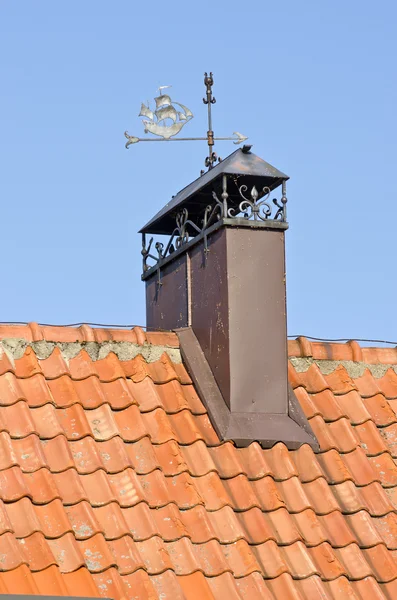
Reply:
x=254, y=461
x=226, y=525
x=67, y=553
x=383, y=564
x=173, y=399
x=369, y=589
x=87, y=456
x=306, y=402
x=73, y=421
x=385, y=469
x=295, y=378
x=20, y=517
x=199, y=523
x=265, y=493
x=182, y=374
x=225, y=460
x=283, y=526
x=363, y=472
x=388, y=384
x=136, y=368
x=140, y=335
x=126, y=555
x=314, y=381
x=339, y=381
x=118, y=393
x=271, y=560
x=380, y=410
x=69, y=486
x=63, y=391
x=29, y=453
x=126, y=487
x=52, y=518
x=320, y=496
x=10, y=390
x=55, y=365
x=280, y=462
x=57, y=454
x=389, y=435
x=336, y=529
x=111, y=585
x=97, y=554
x=108, y=519
x=174, y=459
x=169, y=522
x=365, y=528
x=162, y=370
x=326, y=404
x=309, y=527
x=87, y=333
x=387, y=528
x=141, y=456
x=367, y=385
x=35, y=391
x=37, y=551
x=102, y=422
x=189, y=428
x=17, y=420
x=334, y=467
x=129, y=423
x=352, y=499
x=13, y=484
x=293, y=495
x=50, y=582
x=18, y=581
x=109, y=368
x=344, y=435
x=305, y=347
x=140, y=521
x=240, y=558
x=306, y=464
x=186, y=558
x=8, y=457
x=197, y=585
x=45, y=421
x=11, y=552
x=255, y=525
x=352, y=405
x=27, y=365
x=226, y=586
x=37, y=333
x=162, y=338
x=154, y=554
x=326, y=561
x=254, y=587
x=185, y=491
x=158, y=426
x=210, y=491
x=357, y=355
x=7, y=365
x=300, y=560
x=82, y=366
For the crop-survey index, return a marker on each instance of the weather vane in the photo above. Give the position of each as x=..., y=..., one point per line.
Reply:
x=166, y=121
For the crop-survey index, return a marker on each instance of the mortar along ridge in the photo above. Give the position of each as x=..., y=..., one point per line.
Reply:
x=354, y=369
x=16, y=347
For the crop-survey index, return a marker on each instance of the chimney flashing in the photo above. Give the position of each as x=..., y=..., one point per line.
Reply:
x=243, y=428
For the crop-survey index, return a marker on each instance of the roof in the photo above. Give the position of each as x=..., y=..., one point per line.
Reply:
x=242, y=162
x=113, y=482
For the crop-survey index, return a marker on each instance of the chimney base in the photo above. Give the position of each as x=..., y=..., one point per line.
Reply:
x=243, y=428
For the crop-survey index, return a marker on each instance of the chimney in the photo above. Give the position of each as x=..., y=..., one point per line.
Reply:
x=219, y=282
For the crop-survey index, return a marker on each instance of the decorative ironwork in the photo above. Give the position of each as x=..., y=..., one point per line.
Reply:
x=254, y=206
x=168, y=118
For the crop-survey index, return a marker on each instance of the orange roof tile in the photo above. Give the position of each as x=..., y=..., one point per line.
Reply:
x=114, y=483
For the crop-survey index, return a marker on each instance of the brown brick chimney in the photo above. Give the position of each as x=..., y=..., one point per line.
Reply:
x=220, y=283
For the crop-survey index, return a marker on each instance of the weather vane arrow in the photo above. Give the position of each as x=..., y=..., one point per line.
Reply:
x=168, y=118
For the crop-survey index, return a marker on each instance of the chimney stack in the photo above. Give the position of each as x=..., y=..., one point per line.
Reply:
x=219, y=282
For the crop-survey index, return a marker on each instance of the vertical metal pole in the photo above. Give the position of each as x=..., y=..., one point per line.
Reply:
x=284, y=200
x=209, y=82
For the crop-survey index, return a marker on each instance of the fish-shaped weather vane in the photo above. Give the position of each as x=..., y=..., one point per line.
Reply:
x=169, y=116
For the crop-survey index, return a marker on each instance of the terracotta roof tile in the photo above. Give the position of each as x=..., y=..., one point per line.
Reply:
x=114, y=482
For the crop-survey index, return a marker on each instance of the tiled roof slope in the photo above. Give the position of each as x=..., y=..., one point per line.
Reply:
x=113, y=482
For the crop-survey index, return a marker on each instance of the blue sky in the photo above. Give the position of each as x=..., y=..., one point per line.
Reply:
x=313, y=85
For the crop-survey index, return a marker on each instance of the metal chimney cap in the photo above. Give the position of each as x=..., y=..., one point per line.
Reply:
x=242, y=164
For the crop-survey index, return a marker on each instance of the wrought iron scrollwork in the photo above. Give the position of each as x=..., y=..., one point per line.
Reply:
x=255, y=205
